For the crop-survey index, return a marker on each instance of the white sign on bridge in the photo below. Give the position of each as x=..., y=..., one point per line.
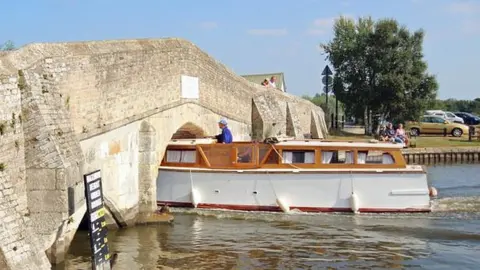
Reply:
x=190, y=87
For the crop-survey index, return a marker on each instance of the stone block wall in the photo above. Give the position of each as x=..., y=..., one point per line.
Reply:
x=116, y=154
x=19, y=245
x=53, y=157
x=106, y=83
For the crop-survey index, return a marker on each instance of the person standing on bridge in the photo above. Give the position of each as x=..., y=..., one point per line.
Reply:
x=273, y=82
x=226, y=135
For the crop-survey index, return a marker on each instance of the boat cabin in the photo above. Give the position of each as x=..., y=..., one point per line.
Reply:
x=308, y=154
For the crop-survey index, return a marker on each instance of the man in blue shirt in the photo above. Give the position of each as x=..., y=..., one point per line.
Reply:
x=226, y=135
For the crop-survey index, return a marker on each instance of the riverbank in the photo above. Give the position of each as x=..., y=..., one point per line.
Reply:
x=434, y=155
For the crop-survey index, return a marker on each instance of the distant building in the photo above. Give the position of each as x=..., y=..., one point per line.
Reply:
x=259, y=78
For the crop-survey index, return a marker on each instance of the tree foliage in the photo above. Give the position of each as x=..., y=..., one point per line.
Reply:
x=320, y=100
x=7, y=46
x=379, y=66
x=454, y=105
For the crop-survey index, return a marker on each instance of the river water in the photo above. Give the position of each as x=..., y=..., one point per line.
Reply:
x=447, y=238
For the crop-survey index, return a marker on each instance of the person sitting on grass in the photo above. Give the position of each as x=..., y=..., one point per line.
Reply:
x=401, y=134
x=391, y=134
x=382, y=134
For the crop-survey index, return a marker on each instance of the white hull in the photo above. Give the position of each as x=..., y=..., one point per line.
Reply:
x=393, y=190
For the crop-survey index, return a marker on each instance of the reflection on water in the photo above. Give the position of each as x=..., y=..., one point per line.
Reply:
x=448, y=238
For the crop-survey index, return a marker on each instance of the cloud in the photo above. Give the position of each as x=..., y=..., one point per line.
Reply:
x=464, y=7
x=208, y=25
x=268, y=32
x=468, y=13
x=323, y=26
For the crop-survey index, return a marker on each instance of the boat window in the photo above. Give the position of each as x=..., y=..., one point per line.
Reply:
x=374, y=157
x=387, y=159
x=262, y=151
x=273, y=158
x=181, y=156
x=337, y=157
x=307, y=156
x=245, y=154
x=219, y=155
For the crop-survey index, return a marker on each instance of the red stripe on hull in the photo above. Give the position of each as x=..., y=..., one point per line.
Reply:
x=268, y=208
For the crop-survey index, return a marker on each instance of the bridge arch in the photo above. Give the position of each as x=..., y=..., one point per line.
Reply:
x=189, y=130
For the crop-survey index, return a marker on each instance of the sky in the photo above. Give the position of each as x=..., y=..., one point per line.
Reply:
x=260, y=36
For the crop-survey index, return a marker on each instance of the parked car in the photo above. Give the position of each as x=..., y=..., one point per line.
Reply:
x=432, y=124
x=468, y=118
x=446, y=115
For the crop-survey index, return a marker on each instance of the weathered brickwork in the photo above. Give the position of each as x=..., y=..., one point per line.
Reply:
x=18, y=246
x=11, y=138
x=67, y=109
x=17, y=242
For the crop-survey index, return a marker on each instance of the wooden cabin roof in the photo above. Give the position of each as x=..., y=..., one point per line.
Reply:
x=299, y=143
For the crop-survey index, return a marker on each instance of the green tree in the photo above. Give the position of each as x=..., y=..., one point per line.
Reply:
x=381, y=68
x=320, y=100
x=454, y=105
x=7, y=46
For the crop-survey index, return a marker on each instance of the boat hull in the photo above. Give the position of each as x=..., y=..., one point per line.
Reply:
x=306, y=191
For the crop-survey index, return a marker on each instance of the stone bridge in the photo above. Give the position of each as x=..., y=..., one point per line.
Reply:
x=67, y=109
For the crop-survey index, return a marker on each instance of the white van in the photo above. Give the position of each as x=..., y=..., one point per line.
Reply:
x=446, y=115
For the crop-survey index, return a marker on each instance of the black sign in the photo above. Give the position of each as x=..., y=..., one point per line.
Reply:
x=96, y=217
x=327, y=71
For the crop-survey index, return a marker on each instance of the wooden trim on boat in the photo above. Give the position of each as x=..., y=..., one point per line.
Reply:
x=267, y=155
x=203, y=156
x=275, y=153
